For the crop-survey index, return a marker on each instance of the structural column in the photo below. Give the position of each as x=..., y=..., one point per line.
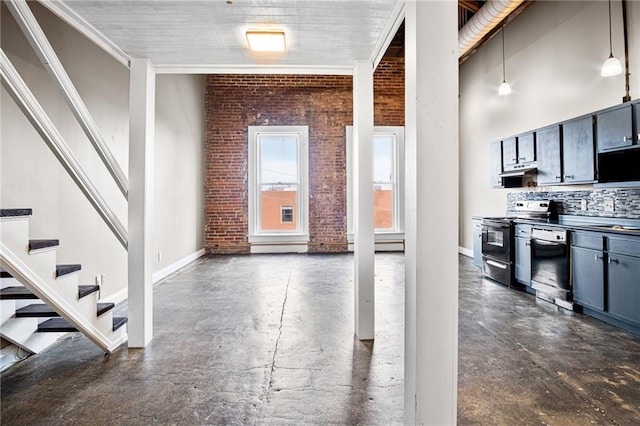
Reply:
x=363, y=200
x=141, y=158
x=431, y=221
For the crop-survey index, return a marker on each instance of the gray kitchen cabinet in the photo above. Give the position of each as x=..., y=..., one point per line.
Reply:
x=477, y=242
x=495, y=159
x=509, y=153
x=578, y=150
x=623, y=279
x=587, y=269
x=523, y=260
x=615, y=129
x=636, y=114
x=526, y=148
x=549, y=155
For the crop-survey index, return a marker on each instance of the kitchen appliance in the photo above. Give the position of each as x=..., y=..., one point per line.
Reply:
x=550, y=266
x=498, y=239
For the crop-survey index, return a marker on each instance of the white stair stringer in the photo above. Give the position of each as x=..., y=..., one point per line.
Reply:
x=37, y=273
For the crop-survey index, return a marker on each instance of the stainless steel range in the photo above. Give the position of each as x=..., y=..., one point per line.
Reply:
x=498, y=238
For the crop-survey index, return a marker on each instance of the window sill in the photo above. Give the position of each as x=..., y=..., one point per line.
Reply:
x=278, y=238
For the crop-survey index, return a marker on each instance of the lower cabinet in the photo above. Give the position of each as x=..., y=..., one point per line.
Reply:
x=623, y=278
x=588, y=277
x=477, y=242
x=523, y=260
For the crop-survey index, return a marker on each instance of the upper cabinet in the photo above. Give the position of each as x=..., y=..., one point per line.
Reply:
x=518, y=151
x=578, y=157
x=615, y=128
x=636, y=113
x=549, y=155
x=495, y=158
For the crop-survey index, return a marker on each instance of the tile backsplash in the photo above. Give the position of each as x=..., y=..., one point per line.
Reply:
x=626, y=202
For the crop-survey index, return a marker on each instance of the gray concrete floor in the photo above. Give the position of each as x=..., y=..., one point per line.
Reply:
x=269, y=340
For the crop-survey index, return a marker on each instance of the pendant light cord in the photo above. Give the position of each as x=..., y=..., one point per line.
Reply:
x=504, y=74
x=610, y=43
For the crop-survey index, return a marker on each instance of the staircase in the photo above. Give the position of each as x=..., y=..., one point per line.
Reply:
x=40, y=301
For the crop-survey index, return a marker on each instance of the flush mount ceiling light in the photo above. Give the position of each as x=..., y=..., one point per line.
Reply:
x=612, y=65
x=504, y=88
x=266, y=41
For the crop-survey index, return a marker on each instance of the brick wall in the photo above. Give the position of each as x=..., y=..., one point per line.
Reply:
x=325, y=104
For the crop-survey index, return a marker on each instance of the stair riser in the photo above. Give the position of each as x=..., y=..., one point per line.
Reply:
x=7, y=309
x=14, y=233
x=18, y=330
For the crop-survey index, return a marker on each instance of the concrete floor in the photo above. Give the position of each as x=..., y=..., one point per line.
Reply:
x=269, y=340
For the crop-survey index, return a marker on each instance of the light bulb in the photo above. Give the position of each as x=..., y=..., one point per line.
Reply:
x=611, y=67
x=504, y=89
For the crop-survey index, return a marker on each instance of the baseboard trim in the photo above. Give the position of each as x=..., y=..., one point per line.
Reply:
x=123, y=294
x=465, y=251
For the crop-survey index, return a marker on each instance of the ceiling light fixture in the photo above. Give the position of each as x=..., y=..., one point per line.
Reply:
x=504, y=88
x=612, y=65
x=266, y=41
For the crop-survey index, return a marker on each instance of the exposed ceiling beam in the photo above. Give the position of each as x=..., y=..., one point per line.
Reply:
x=470, y=5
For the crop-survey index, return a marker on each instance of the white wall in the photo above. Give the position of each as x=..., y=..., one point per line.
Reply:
x=32, y=177
x=554, y=51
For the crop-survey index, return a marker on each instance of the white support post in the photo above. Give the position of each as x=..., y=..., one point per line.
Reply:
x=431, y=185
x=141, y=158
x=363, y=200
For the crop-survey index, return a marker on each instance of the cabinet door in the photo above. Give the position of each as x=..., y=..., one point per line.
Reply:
x=614, y=128
x=636, y=114
x=509, y=153
x=578, y=150
x=523, y=260
x=587, y=269
x=495, y=159
x=624, y=287
x=526, y=148
x=477, y=243
x=549, y=154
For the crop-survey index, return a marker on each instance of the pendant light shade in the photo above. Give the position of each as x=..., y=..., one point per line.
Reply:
x=612, y=65
x=504, y=88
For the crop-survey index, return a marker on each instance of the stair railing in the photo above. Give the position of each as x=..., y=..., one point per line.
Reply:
x=43, y=49
x=27, y=102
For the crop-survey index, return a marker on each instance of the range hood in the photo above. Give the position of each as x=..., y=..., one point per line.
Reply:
x=528, y=170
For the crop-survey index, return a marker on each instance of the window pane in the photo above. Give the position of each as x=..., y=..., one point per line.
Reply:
x=383, y=206
x=279, y=207
x=278, y=158
x=383, y=158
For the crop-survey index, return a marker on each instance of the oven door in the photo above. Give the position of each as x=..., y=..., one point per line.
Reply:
x=497, y=270
x=496, y=240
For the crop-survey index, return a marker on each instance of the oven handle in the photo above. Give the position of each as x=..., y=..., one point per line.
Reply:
x=496, y=264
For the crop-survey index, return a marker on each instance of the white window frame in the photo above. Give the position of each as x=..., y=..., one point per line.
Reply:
x=392, y=239
x=279, y=239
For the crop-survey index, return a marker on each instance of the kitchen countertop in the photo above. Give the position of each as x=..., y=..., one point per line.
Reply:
x=609, y=225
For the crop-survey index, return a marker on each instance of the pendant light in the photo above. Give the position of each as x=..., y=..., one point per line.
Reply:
x=612, y=65
x=504, y=88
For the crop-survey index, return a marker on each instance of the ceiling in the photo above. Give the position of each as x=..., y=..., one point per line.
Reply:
x=327, y=34
x=208, y=36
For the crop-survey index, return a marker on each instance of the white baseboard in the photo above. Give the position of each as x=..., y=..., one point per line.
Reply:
x=123, y=294
x=465, y=251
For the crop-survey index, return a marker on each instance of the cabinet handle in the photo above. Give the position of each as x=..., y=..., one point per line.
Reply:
x=568, y=176
x=627, y=138
x=558, y=177
x=514, y=159
x=613, y=260
x=597, y=257
x=522, y=158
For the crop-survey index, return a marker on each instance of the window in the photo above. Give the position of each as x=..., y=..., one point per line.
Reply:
x=286, y=214
x=278, y=184
x=388, y=170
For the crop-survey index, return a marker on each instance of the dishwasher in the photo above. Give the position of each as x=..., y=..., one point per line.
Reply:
x=550, y=266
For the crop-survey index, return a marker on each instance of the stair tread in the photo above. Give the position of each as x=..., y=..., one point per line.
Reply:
x=55, y=325
x=42, y=244
x=40, y=310
x=16, y=293
x=119, y=322
x=15, y=212
x=85, y=290
x=67, y=269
